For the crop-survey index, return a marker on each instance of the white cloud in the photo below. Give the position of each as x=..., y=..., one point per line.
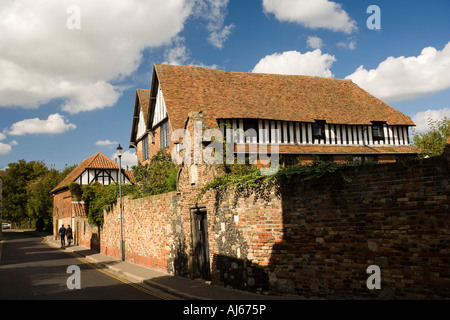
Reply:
x=107, y=143
x=128, y=159
x=312, y=63
x=55, y=124
x=311, y=14
x=2, y=136
x=5, y=148
x=179, y=54
x=217, y=38
x=350, y=44
x=41, y=59
x=421, y=119
x=406, y=78
x=214, y=12
x=314, y=42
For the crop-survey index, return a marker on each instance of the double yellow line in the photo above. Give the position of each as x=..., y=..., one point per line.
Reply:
x=136, y=286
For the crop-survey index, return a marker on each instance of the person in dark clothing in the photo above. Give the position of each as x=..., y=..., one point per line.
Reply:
x=62, y=235
x=69, y=234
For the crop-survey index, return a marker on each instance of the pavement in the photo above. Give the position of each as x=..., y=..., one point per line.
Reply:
x=176, y=286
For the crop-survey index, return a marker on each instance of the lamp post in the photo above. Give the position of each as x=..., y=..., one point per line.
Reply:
x=119, y=154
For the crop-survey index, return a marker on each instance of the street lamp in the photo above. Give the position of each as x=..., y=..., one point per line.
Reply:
x=119, y=154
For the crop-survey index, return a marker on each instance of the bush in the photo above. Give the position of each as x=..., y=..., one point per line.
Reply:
x=159, y=176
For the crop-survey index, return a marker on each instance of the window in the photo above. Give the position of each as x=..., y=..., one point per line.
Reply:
x=103, y=177
x=251, y=124
x=318, y=129
x=145, y=148
x=377, y=130
x=164, y=134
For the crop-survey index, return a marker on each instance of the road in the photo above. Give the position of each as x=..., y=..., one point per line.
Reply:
x=29, y=269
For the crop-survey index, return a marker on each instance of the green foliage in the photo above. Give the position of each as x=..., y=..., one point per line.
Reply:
x=92, y=195
x=159, y=176
x=75, y=190
x=26, y=193
x=249, y=178
x=432, y=143
x=40, y=199
x=98, y=197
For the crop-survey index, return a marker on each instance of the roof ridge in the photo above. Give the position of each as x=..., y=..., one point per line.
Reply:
x=252, y=73
x=92, y=158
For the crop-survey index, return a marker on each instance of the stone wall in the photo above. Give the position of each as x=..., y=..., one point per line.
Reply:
x=149, y=231
x=317, y=238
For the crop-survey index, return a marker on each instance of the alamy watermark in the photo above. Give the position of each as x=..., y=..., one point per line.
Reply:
x=237, y=144
x=74, y=281
x=374, y=281
x=374, y=21
x=73, y=21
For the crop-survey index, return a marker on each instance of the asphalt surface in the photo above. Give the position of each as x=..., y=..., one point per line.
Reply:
x=30, y=269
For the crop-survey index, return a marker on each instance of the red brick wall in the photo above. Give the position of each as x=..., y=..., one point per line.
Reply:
x=147, y=230
x=62, y=205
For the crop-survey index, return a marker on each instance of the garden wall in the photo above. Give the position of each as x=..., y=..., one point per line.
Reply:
x=148, y=231
x=317, y=238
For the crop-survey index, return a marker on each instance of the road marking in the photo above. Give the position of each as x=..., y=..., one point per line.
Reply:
x=136, y=286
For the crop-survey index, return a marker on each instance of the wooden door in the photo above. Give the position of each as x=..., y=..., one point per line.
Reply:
x=200, y=243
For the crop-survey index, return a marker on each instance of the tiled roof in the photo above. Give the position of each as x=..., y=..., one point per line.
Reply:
x=78, y=208
x=144, y=99
x=340, y=149
x=97, y=161
x=224, y=94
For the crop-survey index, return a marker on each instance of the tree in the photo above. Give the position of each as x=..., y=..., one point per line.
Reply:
x=159, y=176
x=40, y=199
x=432, y=143
x=18, y=175
x=26, y=193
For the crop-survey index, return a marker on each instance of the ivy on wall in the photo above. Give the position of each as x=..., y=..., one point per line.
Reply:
x=248, y=178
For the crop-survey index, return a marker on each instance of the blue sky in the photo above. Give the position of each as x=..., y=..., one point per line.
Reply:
x=70, y=69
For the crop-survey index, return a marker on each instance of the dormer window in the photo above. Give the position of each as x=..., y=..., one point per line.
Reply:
x=318, y=129
x=378, y=130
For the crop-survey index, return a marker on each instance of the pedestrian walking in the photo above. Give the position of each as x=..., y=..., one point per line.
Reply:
x=69, y=234
x=62, y=235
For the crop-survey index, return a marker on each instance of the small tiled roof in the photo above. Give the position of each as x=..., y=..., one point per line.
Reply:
x=224, y=95
x=78, y=208
x=97, y=161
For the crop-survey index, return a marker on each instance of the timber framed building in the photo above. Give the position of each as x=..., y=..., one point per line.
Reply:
x=317, y=117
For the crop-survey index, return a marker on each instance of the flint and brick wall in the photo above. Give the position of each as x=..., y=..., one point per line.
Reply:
x=317, y=238
x=147, y=230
